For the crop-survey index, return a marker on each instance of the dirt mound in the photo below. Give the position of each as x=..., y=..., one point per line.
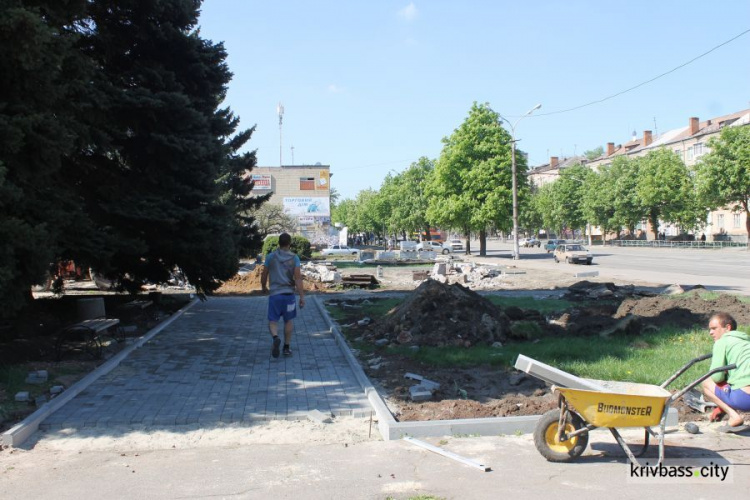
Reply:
x=511, y=406
x=242, y=283
x=687, y=311
x=437, y=314
x=249, y=283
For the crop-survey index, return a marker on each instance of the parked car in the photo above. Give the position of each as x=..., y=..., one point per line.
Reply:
x=573, y=253
x=456, y=245
x=434, y=246
x=552, y=244
x=339, y=250
x=529, y=242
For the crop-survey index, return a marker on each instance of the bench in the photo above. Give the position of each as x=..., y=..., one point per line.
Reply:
x=84, y=336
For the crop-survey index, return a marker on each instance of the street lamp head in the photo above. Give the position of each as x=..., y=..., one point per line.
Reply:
x=533, y=109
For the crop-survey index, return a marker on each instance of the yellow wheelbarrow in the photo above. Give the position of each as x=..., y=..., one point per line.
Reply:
x=563, y=434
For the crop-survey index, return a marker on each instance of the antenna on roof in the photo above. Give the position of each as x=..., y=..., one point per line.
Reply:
x=280, y=111
x=656, y=130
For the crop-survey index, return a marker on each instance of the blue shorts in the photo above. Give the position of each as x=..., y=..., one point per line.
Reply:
x=284, y=304
x=736, y=398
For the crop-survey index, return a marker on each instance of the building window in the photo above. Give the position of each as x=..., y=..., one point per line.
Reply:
x=698, y=149
x=736, y=220
x=307, y=183
x=689, y=153
x=720, y=221
x=678, y=152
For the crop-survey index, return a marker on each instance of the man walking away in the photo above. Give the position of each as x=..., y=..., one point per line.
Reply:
x=283, y=268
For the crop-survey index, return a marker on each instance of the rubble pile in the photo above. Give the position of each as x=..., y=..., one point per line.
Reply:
x=320, y=273
x=467, y=274
x=438, y=314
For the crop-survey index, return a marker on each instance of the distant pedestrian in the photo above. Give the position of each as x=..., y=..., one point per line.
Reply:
x=703, y=237
x=283, y=268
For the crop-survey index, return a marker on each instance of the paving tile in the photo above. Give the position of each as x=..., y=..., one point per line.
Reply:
x=213, y=366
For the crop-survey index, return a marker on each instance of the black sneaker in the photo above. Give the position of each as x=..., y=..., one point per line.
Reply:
x=276, y=344
x=287, y=351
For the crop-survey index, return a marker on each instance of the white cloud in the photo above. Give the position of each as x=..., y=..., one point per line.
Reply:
x=409, y=12
x=335, y=89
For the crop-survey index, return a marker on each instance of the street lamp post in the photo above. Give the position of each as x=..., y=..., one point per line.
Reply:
x=516, y=250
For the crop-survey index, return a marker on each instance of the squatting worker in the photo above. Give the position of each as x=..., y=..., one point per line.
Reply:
x=283, y=267
x=729, y=390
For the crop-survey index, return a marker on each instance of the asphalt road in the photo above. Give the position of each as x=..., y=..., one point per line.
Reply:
x=725, y=269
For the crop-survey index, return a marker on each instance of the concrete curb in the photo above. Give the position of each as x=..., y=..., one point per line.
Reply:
x=391, y=429
x=17, y=434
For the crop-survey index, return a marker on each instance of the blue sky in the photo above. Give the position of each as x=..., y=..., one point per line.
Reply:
x=371, y=86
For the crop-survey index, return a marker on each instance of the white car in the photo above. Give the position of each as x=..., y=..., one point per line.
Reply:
x=455, y=245
x=434, y=246
x=340, y=250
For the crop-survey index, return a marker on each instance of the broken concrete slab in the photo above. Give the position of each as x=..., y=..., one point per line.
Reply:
x=429, y=385
x=418, y=393
x=319, y=417
x=37, y=377
x=23, y=397
x=673, y=290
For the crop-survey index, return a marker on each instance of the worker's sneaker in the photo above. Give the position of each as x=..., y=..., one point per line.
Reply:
x=287, y=351
x=276, y=344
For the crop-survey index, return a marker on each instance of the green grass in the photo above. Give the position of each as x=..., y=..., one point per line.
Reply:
x=647, y=359
x=13, y=380
x=650, y=358
x=542, y=305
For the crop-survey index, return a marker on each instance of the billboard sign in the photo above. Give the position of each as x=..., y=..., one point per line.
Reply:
x=262, y=182
x=307, y=206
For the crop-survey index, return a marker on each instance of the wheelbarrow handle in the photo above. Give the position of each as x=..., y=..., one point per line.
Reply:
x=701, y=379
x=684, y=369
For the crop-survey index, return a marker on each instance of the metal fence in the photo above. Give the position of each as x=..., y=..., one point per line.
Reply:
x=676, y=244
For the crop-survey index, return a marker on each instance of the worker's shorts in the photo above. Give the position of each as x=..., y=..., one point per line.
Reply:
x=736, y=398
x=283, y=304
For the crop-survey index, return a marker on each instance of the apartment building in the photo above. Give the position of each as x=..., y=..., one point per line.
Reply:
x=690, y=143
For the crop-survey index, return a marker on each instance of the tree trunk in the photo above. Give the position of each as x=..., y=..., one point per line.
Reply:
x=467, y=234
x=483, y=243
x=654, y=219
x=747, y=223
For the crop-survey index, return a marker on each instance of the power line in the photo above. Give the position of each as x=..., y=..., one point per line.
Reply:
x=646, y=82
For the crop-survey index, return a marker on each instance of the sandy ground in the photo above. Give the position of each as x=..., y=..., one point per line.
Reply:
x=343, y=430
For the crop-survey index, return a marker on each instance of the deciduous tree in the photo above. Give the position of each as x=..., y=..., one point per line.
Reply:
x=723, y=175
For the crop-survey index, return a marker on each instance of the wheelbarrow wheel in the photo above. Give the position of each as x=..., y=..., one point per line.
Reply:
x=547, y=442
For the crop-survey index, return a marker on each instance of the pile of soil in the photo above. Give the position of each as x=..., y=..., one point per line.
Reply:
x=249, y=283
x=437, y=314
x=242, y=283
x=686, y=311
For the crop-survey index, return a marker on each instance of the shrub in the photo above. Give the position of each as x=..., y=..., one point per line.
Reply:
x=300, y=246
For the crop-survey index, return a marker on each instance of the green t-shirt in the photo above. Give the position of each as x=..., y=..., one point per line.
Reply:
x=732, y=347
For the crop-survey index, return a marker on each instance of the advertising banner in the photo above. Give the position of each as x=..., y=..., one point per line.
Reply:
x=262, y=182
x=323, y=180
x=307, y=205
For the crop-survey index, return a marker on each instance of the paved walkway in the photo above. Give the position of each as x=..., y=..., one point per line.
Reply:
x=213, y=365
